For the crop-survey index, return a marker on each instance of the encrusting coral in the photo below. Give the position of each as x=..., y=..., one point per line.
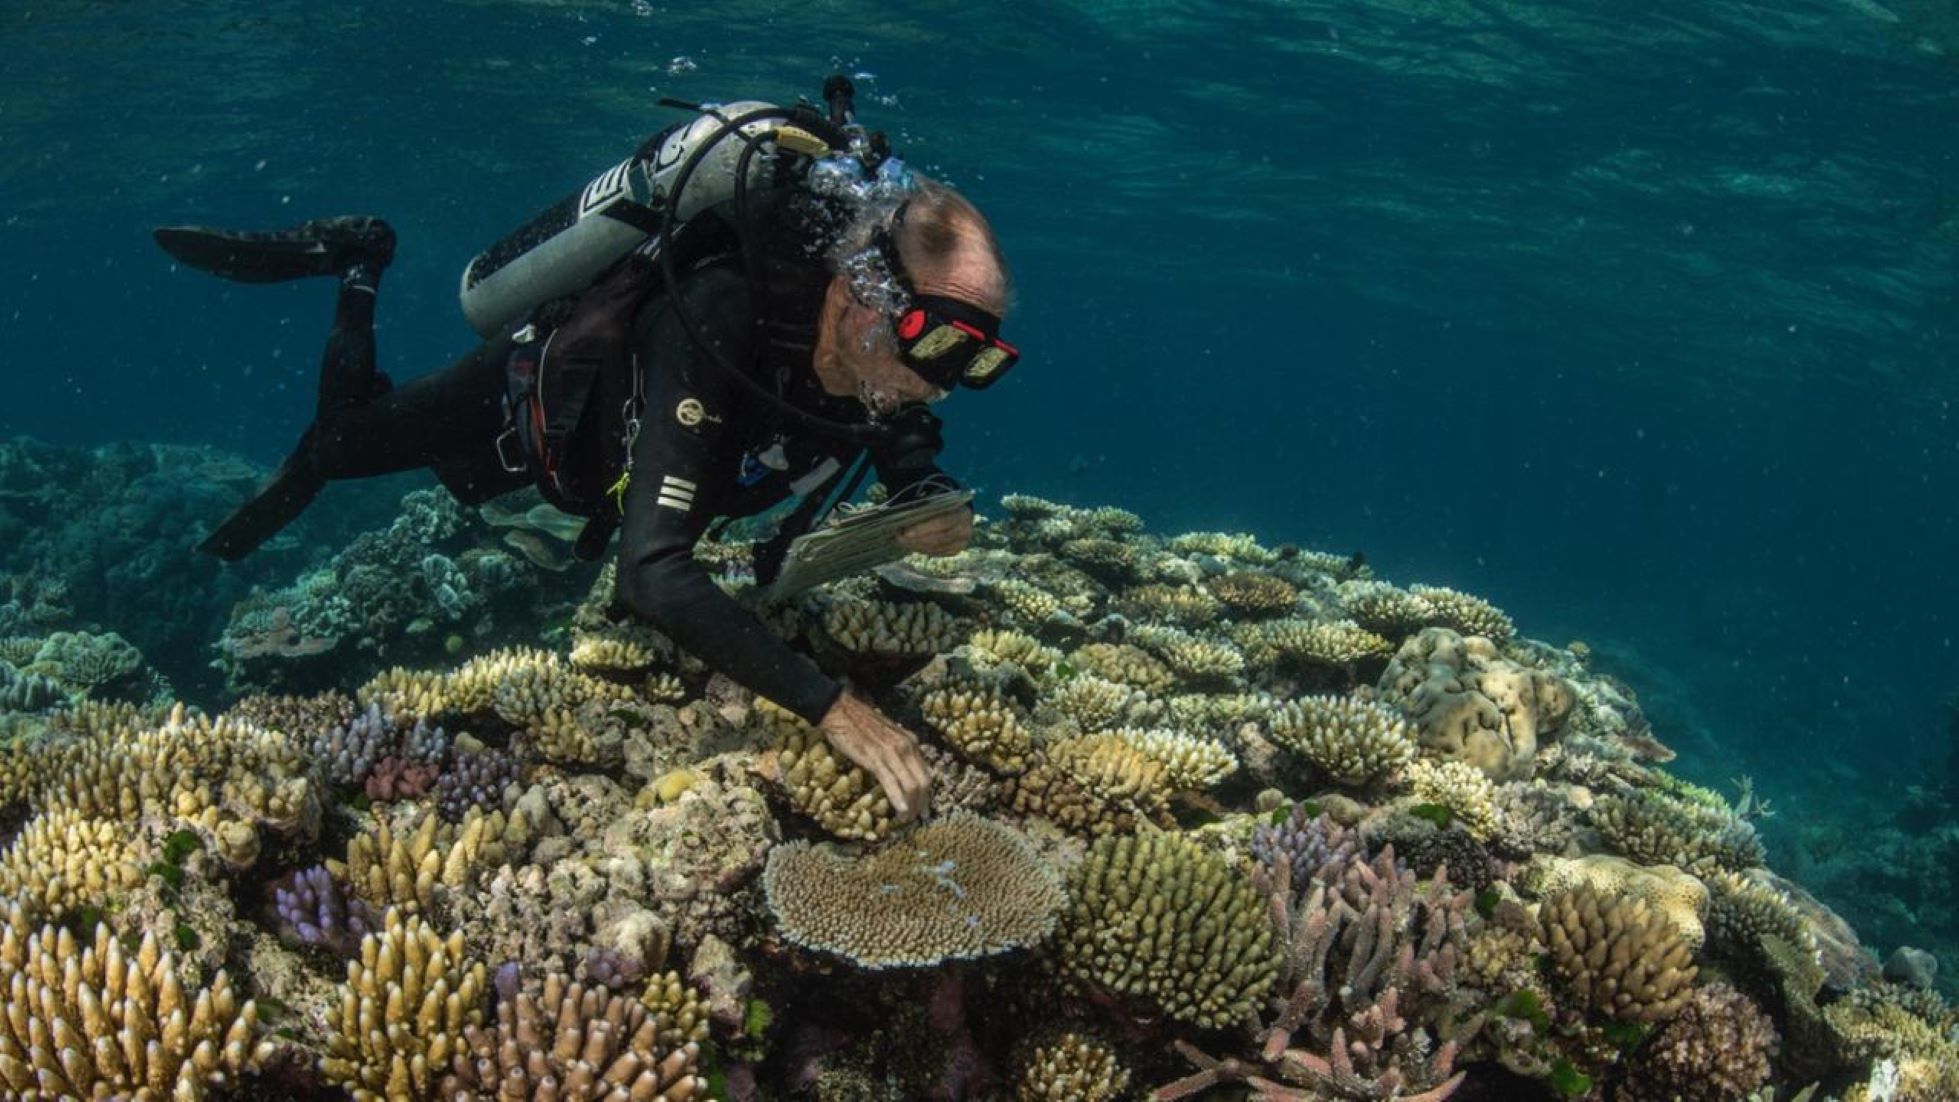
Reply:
x=959, y=888
x=85, y=1019
x=1156, y=918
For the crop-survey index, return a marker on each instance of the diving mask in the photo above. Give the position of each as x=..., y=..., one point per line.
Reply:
x=949, y=342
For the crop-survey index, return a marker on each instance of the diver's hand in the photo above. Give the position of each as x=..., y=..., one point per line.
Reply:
x=947, y=534
x=861, y=733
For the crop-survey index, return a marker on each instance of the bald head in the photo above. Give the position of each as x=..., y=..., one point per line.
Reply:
x=949, y=249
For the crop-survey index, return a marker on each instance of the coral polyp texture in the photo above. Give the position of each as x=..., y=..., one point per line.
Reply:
x=1205, y=816
x=960, y=888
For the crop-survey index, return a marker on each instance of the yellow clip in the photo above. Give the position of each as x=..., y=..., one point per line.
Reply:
x=618, y=491
x=797, y=140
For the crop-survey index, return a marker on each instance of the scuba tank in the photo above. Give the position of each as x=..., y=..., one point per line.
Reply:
x=567, y=246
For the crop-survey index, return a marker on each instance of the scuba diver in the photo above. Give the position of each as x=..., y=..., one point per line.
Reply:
x=758, y=305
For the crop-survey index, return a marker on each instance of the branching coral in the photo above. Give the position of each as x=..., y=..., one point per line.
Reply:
x=1468, y=614
x=882, y=629
x=992, y=648
x=1123, y=664
x=572, y=1044
x=554, y=704
x=1718, y=1047
x=1355, y=742
x=980, y=722
x=1159, y=919
x=840, y=796
x=1250, y=593
x=1657, y=830
x=86, y=1020
x=1679, y=898
x=1195, y=660
x=1190, y=763
x=478, y=779
x=1296, y=644
x=1095, y=784
x=390, y=869
x=1094, y=703
x=1072, y=1068
x=1468, y=702
x=1186, y=605
x=1224, y=545
x=62, y=860
x=315, y=909
x=1617, y=954
x=1026, y=603
x=1380, y=607
x=1460, y=787
x=959, y=888
x=403, y=1011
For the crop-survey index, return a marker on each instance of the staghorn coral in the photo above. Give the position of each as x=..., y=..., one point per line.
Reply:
x=981, y=723
x=1185, y=605
x=1370, y=952
x=403, y=1011
x=1250, y=593
x=1094, y=703
x=1124, y=665
x=1355, y=742
x=1676, y=896
x=1308, y=839
x=1718, y=1047
x=1094, y=784
x=960, y=888
x=1469, y=703
x=882, y=629
x=838, y=795
x=62, y=860
x=1465, y=613
x=1460, y=787
x=1617, y=954
x=314, y=909
x=1156, y=918
x=1292, y=644
x=1657, y=830
x=1072, y=1068
x=87, y=1020
x=573, y=1044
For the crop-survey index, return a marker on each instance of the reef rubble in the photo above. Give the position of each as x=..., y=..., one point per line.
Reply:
x=1212, y=819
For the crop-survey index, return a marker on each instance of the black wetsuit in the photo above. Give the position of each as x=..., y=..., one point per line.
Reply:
x=707, y=448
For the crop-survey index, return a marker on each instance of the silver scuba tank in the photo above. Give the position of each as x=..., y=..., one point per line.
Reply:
x=567, y=246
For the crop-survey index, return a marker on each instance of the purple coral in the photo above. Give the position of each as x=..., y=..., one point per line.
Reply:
x=475, y=780
x=348, y=752
x=611, y=968
x=397, y=778
x=316, y=910
x=1309, y=838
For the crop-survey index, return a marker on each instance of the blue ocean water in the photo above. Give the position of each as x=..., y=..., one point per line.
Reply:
x=1636, y=321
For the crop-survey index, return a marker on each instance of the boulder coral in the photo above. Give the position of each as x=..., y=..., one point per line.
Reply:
x=1469, y=703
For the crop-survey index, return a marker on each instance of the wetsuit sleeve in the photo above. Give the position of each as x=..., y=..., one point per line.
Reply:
x=683, y=444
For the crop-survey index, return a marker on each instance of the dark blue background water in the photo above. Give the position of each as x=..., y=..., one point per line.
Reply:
x=1639, y=324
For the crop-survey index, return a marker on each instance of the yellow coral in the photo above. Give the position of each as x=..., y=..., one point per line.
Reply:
x=1027, y=603
x=1460, y=787
x=403, y=1011
x=62, y=860
x=1280, y=644
x=956, y=889
x=1466, y=613
x=1183, y=604
x=86, y=1020
x=616, y=651
x=406, y=870
x=680, y=1007
x=573, y=1044
x=1250, y=593
x=1224, y=545
x=1470, y=703
x=1158, y=918
x=887, y=630
x=1617, y=954
x=1124, y=665
x=1190, y=763
x=1195, y=659
x=1094, y=703
x=1353, y=741
x=1676, y=896
x=1095, y=784
x=981, y=723
x=841, y=797
x=992, y=647
x=1072, y=1068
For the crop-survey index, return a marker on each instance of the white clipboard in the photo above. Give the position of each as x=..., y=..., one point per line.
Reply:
x=858, y=541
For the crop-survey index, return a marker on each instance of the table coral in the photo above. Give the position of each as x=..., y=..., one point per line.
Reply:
x=1250, y=593
x=1157, y=918
x=956, y=889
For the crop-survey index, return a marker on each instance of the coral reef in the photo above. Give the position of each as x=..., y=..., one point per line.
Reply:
x=1208, y=815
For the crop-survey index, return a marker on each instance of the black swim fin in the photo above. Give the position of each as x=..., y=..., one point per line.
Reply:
x=321, y=247
x=276, y=504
